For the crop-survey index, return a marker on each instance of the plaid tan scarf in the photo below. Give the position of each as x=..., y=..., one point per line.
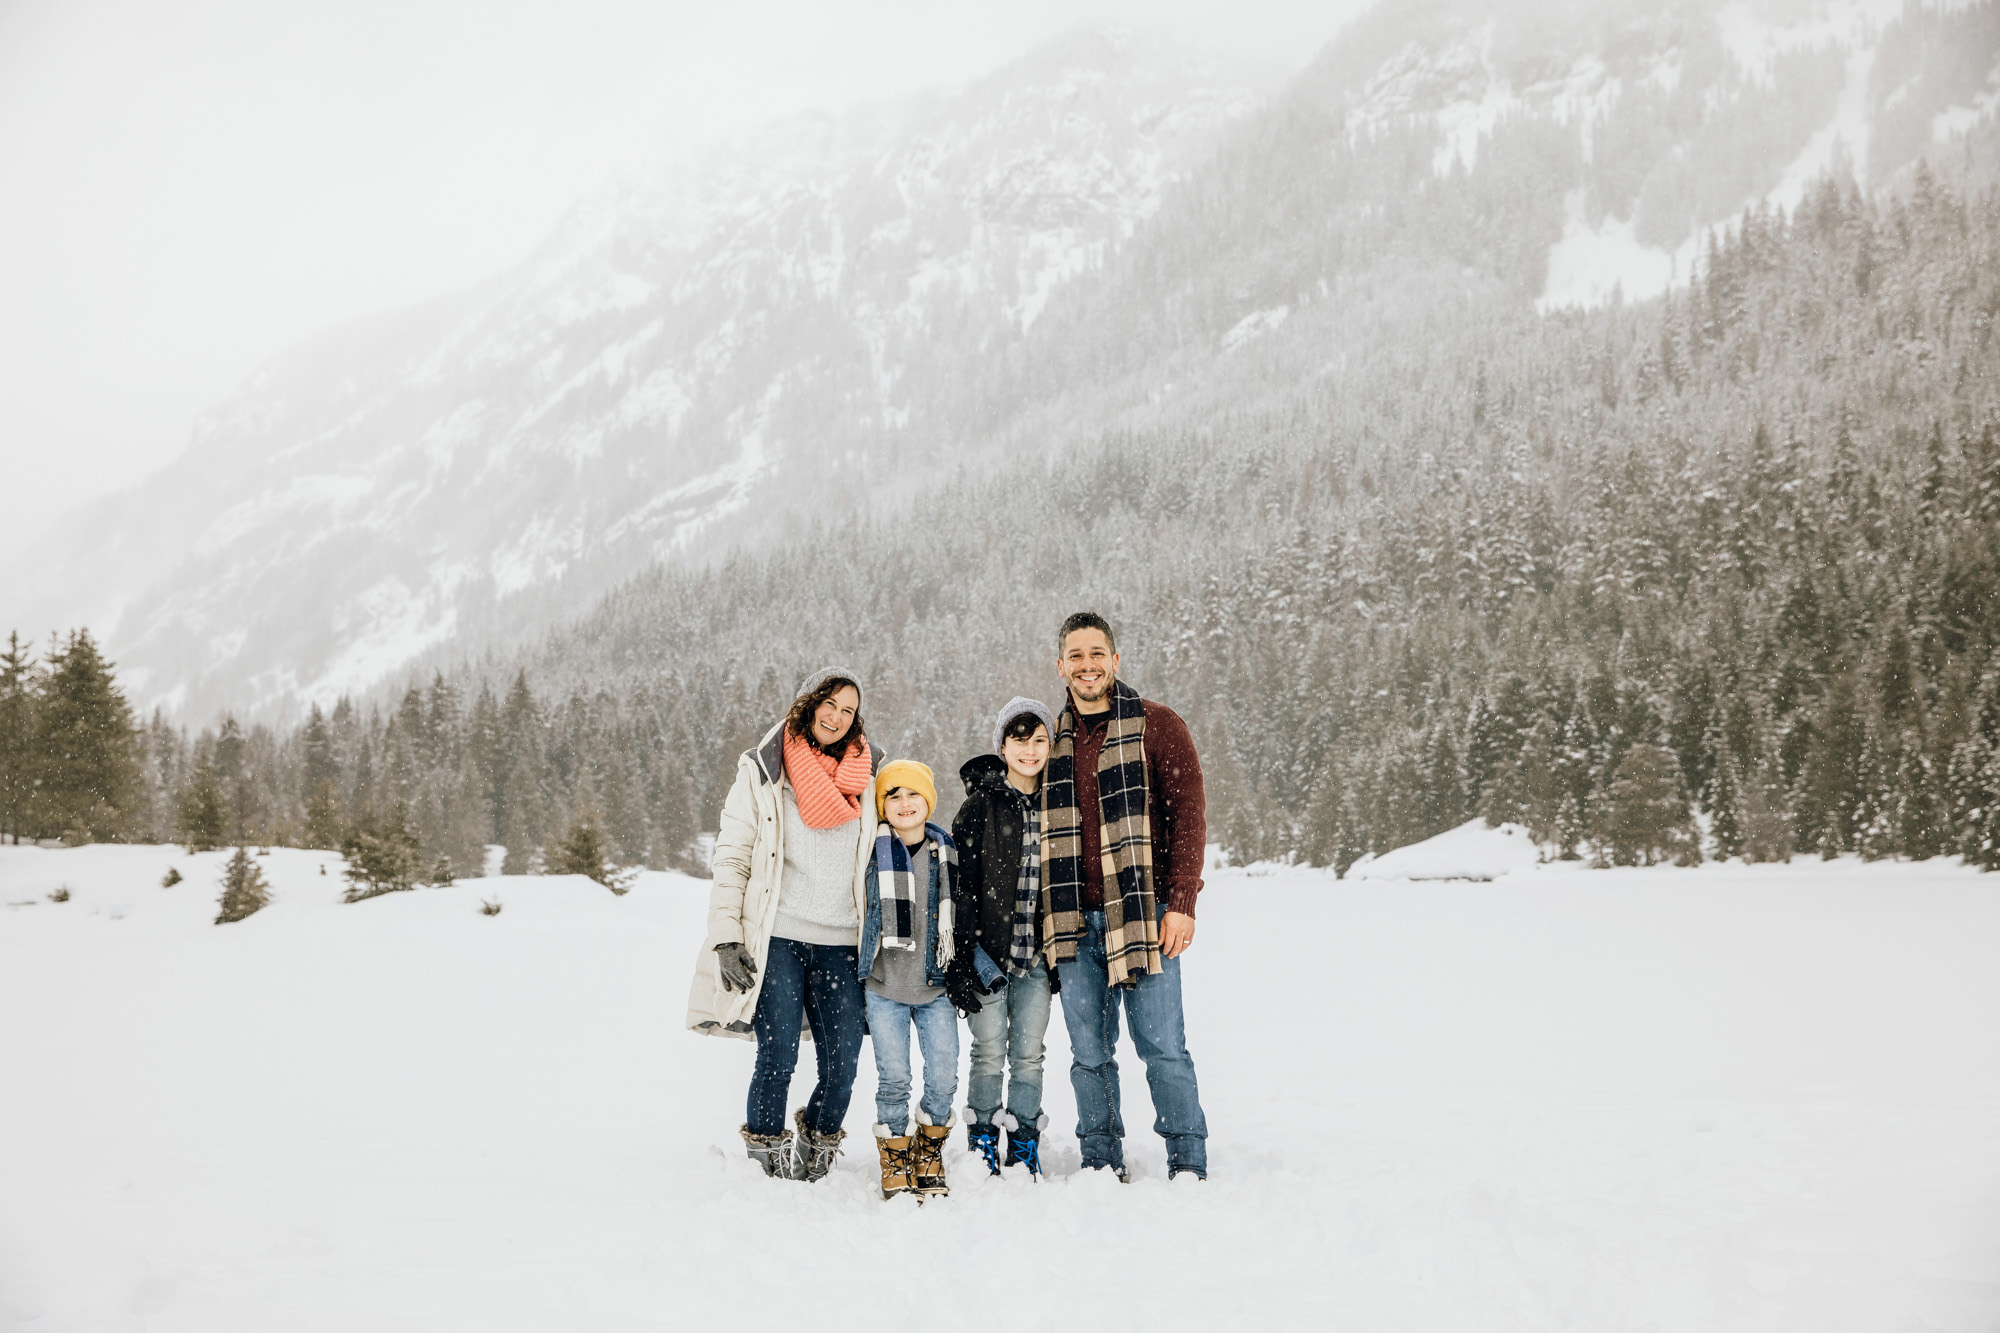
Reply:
x=1125, y=842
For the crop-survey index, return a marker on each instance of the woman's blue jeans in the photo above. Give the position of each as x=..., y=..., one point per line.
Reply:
x=1153, y=1012
x=806, y=983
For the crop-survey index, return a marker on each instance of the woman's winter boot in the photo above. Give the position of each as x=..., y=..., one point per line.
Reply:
x=928, y=1155
x=816, y=1150
x=984, y=1139
x=1024, y=1143
x=895, y=1151
x=773, y=1152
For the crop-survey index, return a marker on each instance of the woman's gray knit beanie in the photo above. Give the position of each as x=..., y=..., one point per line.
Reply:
x=822, y=676
x=1013, y=708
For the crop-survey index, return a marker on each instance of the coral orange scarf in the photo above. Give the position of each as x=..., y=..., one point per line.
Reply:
x=828, y=790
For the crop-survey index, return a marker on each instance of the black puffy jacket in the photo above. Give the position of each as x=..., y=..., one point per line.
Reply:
x=987, y=831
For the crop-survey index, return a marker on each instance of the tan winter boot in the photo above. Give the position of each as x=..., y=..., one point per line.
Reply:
x=928, y=1155
x=895, y=1151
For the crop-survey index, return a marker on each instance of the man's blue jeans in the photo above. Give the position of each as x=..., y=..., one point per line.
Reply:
x=816, y=983
x=937, y=1037
x=1153, y=1012
x=1008, y=1029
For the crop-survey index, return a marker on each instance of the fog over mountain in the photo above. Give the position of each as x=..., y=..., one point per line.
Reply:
x=839, y=312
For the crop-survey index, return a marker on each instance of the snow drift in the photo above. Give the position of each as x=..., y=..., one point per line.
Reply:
x=1724, y=1098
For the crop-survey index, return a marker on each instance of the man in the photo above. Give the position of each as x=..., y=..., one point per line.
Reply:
x=1123, y=832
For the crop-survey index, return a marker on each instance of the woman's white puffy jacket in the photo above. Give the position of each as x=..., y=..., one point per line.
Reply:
x=748, y=864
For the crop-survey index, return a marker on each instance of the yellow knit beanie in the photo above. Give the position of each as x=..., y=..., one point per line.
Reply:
x=905, y=773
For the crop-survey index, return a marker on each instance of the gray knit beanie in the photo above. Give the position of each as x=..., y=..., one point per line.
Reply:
x=1013, y=709
x=822, y=676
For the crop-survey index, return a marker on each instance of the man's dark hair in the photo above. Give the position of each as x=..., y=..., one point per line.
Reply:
x=1021, y=726
x=799, y=720
x=1085, y=620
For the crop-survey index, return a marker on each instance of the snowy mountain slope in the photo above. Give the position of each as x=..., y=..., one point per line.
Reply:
x=836, y=311
x=1729, y=1098
x=709, y=352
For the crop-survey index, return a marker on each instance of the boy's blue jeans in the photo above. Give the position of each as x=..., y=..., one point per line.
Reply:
x=1008, y=1030
x=1153, y=1012
x=937, y=1037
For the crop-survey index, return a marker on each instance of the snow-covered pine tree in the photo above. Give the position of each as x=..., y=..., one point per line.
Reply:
x=201, y=821
x=1876, y=829
x=1725, y=803
x=244, y=889
x=586, y=850
x=324, y=826
x=468, y=823
x=17, y=737
x=675, y=824
x=1540, y=782
x=1646, y=818
x=87, y=746
x=383, y=856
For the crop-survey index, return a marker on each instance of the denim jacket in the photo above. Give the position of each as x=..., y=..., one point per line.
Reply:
x=871, y=921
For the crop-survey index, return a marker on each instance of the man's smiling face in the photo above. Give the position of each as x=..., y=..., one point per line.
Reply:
x=1087, y=665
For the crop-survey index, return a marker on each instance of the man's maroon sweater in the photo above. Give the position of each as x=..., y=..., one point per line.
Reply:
x=1179, y=808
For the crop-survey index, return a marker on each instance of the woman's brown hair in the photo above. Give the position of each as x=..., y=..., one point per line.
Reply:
x=799, y=721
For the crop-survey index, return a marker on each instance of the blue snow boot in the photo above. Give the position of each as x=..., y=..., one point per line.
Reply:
x=1024, y=1144
x=985, y=1140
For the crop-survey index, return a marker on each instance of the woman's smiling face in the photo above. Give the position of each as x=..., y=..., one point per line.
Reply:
x=832, y=718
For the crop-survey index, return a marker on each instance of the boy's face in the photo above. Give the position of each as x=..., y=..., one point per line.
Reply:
x=906, y=811
x=1027, y=757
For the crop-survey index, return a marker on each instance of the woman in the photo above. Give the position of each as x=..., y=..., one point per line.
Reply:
x=1001, y=981
x=784, y=919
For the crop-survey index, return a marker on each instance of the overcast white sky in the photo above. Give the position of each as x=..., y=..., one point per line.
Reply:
x=188, y=186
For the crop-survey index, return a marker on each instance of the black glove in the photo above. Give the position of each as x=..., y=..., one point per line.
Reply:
x=739, y=969
x=961, y=984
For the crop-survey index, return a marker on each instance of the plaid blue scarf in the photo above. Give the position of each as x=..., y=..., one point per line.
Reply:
x=896, y=884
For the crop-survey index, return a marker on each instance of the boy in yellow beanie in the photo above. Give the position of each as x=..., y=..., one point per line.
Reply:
x=906, y=944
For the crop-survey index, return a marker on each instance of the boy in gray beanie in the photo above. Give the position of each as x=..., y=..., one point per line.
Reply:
x=1000, y=980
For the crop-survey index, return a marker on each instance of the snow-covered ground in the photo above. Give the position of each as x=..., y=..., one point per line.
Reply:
x=1724, y=1098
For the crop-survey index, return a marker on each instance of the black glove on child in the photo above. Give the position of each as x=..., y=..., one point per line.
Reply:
x=962, y=986
x=739, y=969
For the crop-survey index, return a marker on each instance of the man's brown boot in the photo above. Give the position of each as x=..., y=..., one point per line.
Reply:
x=896, y=1154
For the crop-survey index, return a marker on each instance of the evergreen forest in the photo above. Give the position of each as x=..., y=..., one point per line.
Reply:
x=1711, y=575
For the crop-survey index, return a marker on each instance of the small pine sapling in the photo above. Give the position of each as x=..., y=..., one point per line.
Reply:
x=173, y=877
x=244, y=889
x=383, y=858
x=584, y=851
x=489, y=907
x=60, y=894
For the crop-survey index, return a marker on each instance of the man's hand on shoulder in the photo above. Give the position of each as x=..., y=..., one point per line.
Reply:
x=1176, y=933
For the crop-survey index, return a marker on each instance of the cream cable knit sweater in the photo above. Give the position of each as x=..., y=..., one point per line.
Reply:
x=816, y=888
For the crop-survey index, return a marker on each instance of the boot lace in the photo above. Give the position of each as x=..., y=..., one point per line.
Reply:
x=817, y=1159
x=901, y=1162
x=1028, y=1152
